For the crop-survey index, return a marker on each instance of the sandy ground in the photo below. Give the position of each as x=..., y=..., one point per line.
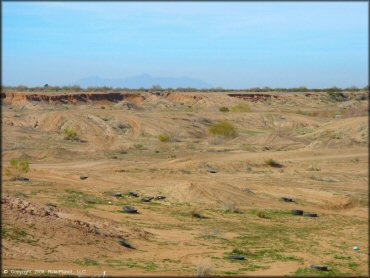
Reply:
x=56, y=221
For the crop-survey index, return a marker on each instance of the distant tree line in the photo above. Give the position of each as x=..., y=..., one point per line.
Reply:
x=75, y=88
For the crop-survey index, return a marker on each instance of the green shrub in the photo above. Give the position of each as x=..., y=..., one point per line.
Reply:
x=17, y=168
x=70, y=134
x=239, y=252
x=241, y=108
x=164, y=138
x=224, y=129
x=224, y=109
x=336, y=96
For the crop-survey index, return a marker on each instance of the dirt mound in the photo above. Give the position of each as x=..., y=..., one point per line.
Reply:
x=26, y=207
x=61, y=234
x=346, y=132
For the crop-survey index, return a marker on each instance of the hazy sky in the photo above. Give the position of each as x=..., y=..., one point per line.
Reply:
x=228, y=44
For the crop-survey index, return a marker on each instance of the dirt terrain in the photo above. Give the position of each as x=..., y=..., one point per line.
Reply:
x=223, y=195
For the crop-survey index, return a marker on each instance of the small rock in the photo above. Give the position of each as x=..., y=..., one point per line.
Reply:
x=133, y=194
x=287, y=199
x=118, y=194
x=129, y=209
x=83, y=177
x=236, y=257
x=125, y=243
x=160, y=197
x=23, y=179
x=247, y=190
x=309, y=214
x=320, y=267
x=297, y=212
x=212, y=170
x=147, y=199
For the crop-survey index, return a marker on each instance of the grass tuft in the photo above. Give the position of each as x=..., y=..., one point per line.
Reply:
x=70, y=134
x=223, y=109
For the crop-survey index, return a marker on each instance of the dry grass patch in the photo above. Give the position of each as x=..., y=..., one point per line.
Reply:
x=224, y=129
x=241, y=108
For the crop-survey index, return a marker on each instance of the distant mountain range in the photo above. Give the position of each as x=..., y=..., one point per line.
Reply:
x=142, y=81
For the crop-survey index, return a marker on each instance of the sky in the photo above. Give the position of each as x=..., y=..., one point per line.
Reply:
x=226, y=44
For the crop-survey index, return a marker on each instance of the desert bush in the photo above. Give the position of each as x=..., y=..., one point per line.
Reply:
x=212, y=232
x=223, y=109
x=196, y=214
x=139, y=146
x=336, y=96
x=203, y=269
x=230, y=206
x=241, y=108
x=164, y=138
x=224, y=129
x=357, y=111
x=273, y=163
x=313, y=168
x=360, y=97
x=123, y=151
x=262, y=214
x=123, y=126
x=323, y=113
x=17, y=168
x=70, y=134
x=217, y=140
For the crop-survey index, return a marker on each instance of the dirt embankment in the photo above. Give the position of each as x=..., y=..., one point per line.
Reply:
x=74, y=98
x=254, y=97
x=78, y=98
